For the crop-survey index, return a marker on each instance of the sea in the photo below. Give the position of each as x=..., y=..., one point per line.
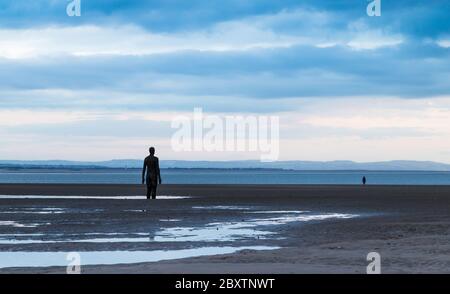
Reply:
x=225, y=176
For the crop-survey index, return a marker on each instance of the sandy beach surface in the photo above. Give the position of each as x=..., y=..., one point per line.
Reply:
x=305, y=229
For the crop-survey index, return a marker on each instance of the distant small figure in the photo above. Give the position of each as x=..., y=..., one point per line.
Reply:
x=364, y=180
x=153, y=176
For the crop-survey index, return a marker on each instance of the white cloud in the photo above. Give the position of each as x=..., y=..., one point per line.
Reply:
x=373, y=40
x=132, y=40
x=444, y=43
x=362, y=129
x=27, y=117
x=430, y=115
x=17, y=117
x=254, y=32
x=362, y=37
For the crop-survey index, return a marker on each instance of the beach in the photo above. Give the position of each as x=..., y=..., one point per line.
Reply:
x=280, y=228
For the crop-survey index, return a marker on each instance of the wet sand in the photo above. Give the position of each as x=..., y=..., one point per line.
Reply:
x=408, y=225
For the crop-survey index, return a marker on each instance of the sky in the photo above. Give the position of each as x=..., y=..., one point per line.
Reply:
x=109, y=83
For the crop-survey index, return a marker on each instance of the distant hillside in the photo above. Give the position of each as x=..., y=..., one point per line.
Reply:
x=399, y=165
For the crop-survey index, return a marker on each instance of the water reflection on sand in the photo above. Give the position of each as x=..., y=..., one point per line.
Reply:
x=45, y=259
x=244, y=223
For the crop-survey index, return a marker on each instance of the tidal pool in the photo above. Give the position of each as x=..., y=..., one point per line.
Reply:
x=45, y=259
x=255, y=228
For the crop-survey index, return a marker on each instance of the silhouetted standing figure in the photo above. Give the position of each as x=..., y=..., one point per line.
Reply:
x=364, y=180
x=153, y=176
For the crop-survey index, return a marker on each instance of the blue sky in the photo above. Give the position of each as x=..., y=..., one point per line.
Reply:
x=107, y=84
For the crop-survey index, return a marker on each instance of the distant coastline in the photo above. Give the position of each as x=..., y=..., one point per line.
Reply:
x=84, y=168
x=342, y=165
x=135, y=169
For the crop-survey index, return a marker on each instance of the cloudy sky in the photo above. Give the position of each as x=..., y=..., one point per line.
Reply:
x=108, y=84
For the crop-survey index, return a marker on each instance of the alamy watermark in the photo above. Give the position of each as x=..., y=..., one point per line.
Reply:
x=374, y=8
x=74, y=266
x=74, y=8
x=374, y=266
x=214, y=133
